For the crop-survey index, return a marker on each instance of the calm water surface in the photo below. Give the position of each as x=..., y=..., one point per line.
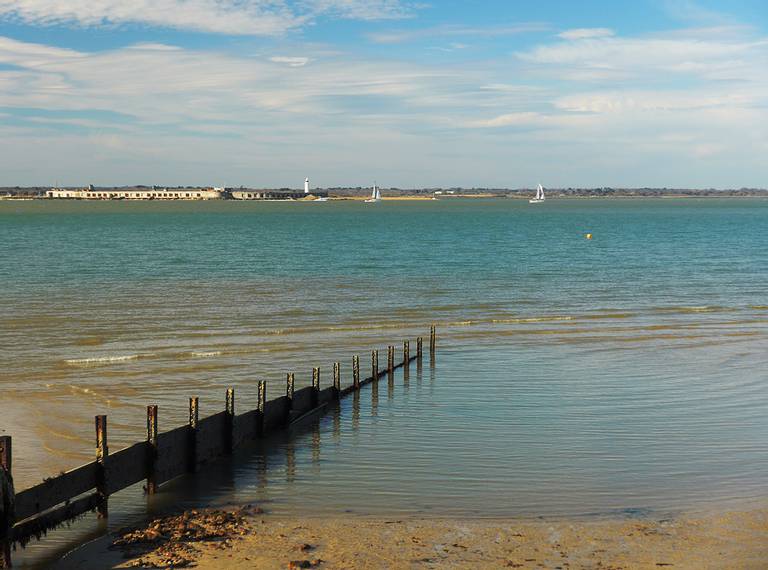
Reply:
x=623, y=374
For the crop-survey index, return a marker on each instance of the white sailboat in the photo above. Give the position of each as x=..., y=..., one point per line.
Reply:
x=539, y=196
x=375, y=195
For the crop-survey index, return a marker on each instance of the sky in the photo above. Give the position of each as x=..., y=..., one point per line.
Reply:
x=434, y=93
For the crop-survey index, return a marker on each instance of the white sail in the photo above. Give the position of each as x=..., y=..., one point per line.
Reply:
x=539, y=195
x=375, y=194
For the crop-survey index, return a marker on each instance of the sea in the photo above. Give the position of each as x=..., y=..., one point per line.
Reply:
x=622, y=375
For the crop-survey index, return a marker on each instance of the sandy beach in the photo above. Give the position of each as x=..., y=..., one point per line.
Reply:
x=248, y=538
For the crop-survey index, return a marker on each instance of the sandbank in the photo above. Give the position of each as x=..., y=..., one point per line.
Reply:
x=252, y=539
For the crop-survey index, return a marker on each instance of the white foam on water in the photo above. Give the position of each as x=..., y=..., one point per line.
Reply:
x=207, y=354
x=101, y=360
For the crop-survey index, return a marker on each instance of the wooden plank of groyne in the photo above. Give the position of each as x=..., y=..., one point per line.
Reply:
x=303, y=400
x=171, y=458
x=211, y=437
x=327, y=395
x=51, y=519
x=276, y=412
x=127, y=467
x=55, y=490
x=245, y=427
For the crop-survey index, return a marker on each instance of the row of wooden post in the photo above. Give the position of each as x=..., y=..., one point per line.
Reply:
x=102, y=447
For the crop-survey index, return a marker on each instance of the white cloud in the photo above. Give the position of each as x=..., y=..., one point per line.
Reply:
x=690, y=11
x=583, y=33
x=695, y=53
x=362, y=9
x=509, y=120
x=200, y=115
x=402, y=36
x=244, y=17
x=290, y=61
x=633, y=100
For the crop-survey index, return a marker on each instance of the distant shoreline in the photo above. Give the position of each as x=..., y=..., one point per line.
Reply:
x=419, y=197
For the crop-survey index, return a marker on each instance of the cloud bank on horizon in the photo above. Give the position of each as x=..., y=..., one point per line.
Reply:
x=264, y=92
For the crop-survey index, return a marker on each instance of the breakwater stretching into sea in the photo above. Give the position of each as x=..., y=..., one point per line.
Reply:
x=575, y=376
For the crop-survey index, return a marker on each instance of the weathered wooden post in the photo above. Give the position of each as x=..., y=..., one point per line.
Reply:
x=194, y=421
x=102, y=453
x=406, y=352
x=375, y=364
x=289, y=382
x=315, y=386
x=152, y=449
x=261, y=406
x=230, y=420
x=356, y=372
x=337, y=378
x=432, y=340
x=390, y=359
x=7, y=500
x=419, y=348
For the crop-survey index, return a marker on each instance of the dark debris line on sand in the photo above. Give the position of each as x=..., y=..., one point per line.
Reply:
x=174, y=541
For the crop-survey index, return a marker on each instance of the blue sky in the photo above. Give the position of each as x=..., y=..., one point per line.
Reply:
x=443, y=93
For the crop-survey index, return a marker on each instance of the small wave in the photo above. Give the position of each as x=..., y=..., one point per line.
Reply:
x=100, y=360
x=607, y=316
x=523, y=320
x=89, y=341
x=701, y=309
x=211, y=354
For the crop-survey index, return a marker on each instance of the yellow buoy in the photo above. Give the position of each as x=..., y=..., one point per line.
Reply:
x=588, y=236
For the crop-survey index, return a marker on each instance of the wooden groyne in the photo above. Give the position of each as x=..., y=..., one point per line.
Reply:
x=163, y=456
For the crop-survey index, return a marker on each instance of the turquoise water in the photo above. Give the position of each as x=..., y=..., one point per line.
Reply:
x=623, y=373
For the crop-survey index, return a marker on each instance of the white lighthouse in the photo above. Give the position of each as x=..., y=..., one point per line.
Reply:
x=306, y=186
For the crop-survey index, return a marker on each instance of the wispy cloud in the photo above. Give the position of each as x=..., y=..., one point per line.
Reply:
x=526, y=119
x=290, y=61
x=237, y=17
x=583, y=33
x=403, y=36
x=363, y=9
x=589, y=101
x=693, y=53
x=694, y=13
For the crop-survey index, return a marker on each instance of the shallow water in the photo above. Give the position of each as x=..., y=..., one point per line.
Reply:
x=619, y=374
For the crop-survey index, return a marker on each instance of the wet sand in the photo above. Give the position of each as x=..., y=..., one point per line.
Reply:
x=251, y=539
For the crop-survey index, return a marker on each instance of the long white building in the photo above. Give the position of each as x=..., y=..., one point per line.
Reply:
x=92, y=193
